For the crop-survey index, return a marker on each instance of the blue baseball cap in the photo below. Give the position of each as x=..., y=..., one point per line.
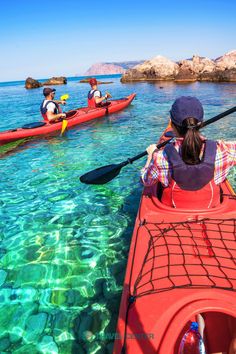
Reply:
x=48, y=90
x=186, y=107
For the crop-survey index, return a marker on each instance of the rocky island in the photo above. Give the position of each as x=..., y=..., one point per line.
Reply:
x=222, y=69
x=32, y=83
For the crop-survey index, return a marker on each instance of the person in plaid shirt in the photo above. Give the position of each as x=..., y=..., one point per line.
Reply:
x=191, y=168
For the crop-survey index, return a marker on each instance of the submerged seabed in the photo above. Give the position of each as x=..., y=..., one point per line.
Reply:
x=64, y=245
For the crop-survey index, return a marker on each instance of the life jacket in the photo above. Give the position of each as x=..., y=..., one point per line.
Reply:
x=91, y=98
x=43, y=109
x=192, y=186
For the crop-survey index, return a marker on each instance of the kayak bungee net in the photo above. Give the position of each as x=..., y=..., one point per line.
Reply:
x=73, y=117
x=181, y=263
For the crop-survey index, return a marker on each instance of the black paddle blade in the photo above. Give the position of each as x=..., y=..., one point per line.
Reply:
x=101, y=175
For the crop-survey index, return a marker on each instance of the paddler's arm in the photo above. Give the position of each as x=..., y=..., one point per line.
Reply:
x=52, y=117
x=156, y=169
x=229, y=148
x=100, y=99
x=149, y=173
x=150, y=150
x=63, y=102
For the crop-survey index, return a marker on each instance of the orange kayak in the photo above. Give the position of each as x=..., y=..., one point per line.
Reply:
x=74, y=117
x=181, y=263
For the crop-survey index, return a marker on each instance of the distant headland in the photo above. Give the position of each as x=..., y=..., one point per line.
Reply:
x=111, y=68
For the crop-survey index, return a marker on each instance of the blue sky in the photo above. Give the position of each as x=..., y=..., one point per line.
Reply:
x=44, y=39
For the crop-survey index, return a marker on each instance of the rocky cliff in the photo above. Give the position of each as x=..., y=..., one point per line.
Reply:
x=111, y=68
x=103, y=69
x=195, y=69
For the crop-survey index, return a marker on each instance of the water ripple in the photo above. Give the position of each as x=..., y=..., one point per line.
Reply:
x=64, y=245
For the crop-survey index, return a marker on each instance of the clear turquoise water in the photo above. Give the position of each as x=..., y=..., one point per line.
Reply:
x=64, y=245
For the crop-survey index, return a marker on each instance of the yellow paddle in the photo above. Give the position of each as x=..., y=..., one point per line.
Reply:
x=65, y=97
x=64, y=125
x=64, y=122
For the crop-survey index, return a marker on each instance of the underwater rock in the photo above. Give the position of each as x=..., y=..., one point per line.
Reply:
x=107, y=292
x=3, y=276
x=4, y=344
x=76, y=298
x=118, y=267
x=87, y=254
x=120, y=278
x=35, y=326
x=83, y=323
x=111, y=328
x=26, y=349
x=47, y=345
x=98, y=286
x=58, y=297
x=109, y=348
x=114, y=303
x=61, y=321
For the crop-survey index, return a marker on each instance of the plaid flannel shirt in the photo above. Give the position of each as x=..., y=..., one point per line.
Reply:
x=160, y=169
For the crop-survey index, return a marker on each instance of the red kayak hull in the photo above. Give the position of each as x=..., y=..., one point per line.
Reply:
x=181, y=263
x=80, y=115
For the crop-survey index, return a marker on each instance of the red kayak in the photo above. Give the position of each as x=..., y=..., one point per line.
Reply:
x=74, y=117
x=181, y=263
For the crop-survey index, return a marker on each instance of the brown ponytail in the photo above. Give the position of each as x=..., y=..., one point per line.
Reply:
x=192, y=142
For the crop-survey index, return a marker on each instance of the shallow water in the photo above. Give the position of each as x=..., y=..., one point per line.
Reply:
x=64, y=245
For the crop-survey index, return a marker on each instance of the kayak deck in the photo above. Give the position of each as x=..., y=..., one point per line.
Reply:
x=181, y=263
x=187, y=254
x=75, y=117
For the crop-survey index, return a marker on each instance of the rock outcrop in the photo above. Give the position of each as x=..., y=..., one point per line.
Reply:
x=61, y=80
x=226, y=66
x=195, y=69
x=158, y=68
x=227, y=61
x=227, y=75
x=32, y=83
x=185, y=74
